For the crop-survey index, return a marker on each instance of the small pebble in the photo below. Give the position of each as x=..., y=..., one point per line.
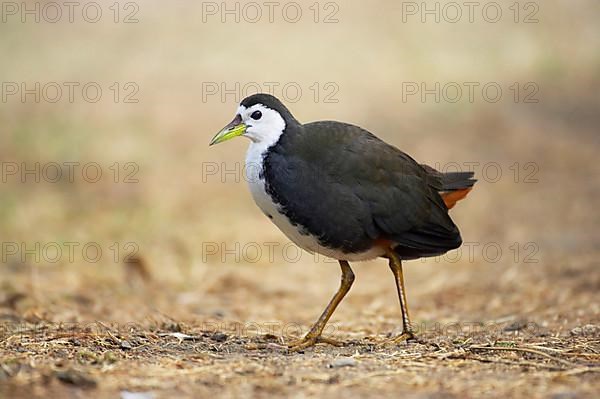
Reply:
x=587, y=330
x=342, y=362
x=136, y=395
x=76, y=378
x=517, y=325
x=565, y=395
x=219, y=337
x=126, y=345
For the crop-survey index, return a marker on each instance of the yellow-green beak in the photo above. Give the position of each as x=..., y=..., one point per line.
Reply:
x=233, y=129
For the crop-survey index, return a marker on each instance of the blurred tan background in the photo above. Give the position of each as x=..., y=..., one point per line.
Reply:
x=177, y=212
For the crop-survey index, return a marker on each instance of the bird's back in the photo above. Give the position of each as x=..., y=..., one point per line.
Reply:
x=350, y=189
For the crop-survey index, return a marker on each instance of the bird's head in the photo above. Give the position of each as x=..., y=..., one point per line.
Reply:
x=260, y=117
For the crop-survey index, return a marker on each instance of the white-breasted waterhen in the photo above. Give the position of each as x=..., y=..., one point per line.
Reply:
x=337, y=190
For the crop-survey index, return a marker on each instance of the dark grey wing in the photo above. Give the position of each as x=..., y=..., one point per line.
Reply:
x=359, y=188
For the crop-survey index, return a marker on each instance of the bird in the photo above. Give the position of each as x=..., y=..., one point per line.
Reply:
x=336, y=189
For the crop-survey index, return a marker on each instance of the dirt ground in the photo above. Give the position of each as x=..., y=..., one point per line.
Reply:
x=543, y=342
x=196, y=293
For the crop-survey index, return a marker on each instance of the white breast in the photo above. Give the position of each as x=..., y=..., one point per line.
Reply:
x=254, y=164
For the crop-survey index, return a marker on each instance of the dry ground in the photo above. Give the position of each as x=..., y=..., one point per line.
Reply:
x=206, y=309
x=524, y=336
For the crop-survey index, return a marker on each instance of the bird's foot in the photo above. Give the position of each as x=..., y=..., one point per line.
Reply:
x=404, y=337
x=311, y=340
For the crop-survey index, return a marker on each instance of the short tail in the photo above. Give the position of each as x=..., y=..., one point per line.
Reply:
x=457, y=180
x=456, y=186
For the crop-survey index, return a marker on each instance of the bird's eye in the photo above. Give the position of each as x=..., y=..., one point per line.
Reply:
x=256, y=115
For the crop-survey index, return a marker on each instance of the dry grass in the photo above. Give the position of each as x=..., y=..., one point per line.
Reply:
x=165, y=340
x=43, y=359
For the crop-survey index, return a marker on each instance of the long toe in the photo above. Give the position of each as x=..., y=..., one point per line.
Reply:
x=404, y=337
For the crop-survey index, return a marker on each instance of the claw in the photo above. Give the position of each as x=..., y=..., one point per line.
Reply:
x=405, y=336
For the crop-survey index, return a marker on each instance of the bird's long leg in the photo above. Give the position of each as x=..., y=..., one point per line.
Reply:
x=396, y=266
x=314, y=335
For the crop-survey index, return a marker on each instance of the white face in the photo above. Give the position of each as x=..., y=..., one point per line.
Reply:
x=264, y=125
